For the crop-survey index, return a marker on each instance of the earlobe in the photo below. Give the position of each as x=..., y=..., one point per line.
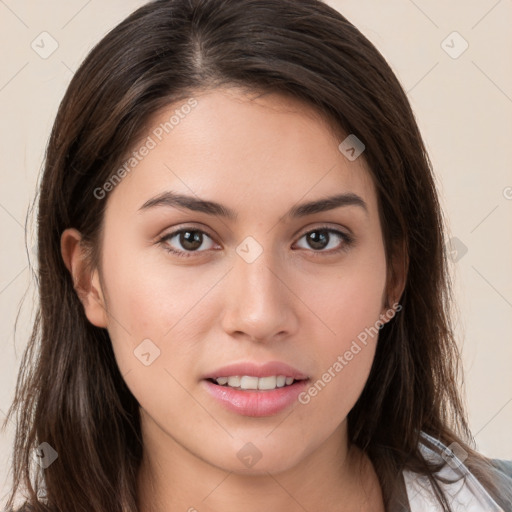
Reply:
x=86, y=280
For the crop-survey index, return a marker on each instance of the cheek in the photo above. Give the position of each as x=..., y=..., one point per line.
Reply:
x=350, y=298
x=153, y=328
x=331, y=396
x=143, y=294
x=349, y=306
x=149, y=299
x=345, y=361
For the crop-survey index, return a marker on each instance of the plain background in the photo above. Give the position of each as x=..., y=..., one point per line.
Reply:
x=463, y=106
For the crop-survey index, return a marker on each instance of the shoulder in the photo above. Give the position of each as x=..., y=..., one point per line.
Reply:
x=503, y=477
x=504, y=466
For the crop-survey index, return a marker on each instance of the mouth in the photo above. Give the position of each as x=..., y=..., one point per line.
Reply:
x=249, y=389
x=251, y=401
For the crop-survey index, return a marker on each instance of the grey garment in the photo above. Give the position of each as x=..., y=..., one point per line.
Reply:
x=459, y=486
x=504, y=480
x=505, y=466
x=466, y=492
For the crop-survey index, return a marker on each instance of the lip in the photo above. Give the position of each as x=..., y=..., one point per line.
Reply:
x=256, y=403
x=256, y=370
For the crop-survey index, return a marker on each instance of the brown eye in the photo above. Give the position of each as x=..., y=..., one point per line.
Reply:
x=327, y=238
x=190, y=240
x=185, y=241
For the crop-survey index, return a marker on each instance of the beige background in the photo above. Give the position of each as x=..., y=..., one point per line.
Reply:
x=463, y=106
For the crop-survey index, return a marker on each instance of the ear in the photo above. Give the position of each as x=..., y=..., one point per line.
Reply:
x=85, y=279
x=396, y=276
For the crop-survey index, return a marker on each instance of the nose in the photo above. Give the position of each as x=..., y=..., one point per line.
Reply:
x=259, y=303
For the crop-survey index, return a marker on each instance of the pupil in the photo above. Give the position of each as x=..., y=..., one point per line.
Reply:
x=191, y=240
x=318, y=239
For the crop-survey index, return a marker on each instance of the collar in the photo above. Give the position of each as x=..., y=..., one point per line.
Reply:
x=465, y=493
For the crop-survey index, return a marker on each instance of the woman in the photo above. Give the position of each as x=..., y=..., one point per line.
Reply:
x=244, y=295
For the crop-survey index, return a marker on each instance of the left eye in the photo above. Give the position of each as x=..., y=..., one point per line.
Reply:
x=191, y=240
x=321, y=238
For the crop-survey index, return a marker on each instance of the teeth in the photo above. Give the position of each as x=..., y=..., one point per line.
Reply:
x=267, y=382
x=234, y=382
x=280, y=381
x=250, y=382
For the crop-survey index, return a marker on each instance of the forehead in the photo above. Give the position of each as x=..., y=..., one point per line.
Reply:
x=249, y=150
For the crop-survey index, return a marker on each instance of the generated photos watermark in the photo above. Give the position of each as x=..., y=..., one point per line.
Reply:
x=150, y=143
x=344, y=359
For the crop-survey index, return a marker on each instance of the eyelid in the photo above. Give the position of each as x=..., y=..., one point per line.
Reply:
x=327, y=227
x=304, y=231
x=176, y=229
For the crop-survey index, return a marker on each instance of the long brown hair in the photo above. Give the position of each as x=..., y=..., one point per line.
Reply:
x=70, y=393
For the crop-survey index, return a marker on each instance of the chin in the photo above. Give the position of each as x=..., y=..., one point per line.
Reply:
x=258, y=458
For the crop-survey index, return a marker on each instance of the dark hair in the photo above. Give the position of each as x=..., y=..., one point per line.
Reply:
x=70, y=392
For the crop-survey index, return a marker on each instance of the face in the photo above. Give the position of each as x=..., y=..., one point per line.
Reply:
x=272, y=290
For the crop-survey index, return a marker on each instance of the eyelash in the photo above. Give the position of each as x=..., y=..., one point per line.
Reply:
x=347, y=239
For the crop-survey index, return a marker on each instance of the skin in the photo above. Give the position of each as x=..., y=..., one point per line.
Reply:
x=258, y=155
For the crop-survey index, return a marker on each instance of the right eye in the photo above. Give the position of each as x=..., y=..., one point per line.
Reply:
x=190, y=240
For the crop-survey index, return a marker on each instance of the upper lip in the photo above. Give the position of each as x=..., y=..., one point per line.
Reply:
x=256, y=370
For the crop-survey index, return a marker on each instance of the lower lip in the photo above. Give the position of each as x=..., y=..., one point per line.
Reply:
x=255, y=402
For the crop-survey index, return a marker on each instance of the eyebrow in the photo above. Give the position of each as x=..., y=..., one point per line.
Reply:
x=173, y=199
